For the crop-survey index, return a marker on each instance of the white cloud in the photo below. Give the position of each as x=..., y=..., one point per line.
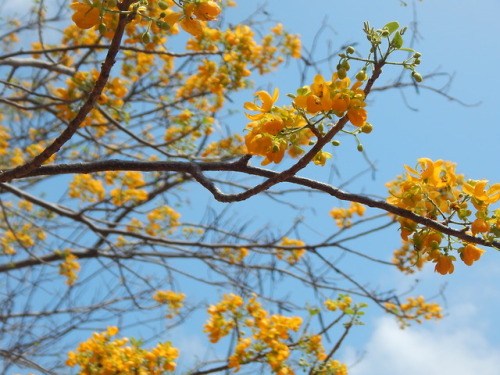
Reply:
x=449, y=349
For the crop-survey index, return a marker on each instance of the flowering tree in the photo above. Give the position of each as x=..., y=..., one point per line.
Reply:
x=106, y=132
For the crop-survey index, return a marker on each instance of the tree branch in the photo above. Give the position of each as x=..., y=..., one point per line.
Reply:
x=37, y=63
x=242, y=166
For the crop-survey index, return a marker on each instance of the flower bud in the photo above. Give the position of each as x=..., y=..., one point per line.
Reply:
x=335, y=142
x=102, y=28
x=342, y=73
x=367, y=128
x=163, y=25
x=350, y=50
x=361, y=76
x=360, y=148
x=346, y=65
x=163, y=5
x=146, y=37
x=417, y=77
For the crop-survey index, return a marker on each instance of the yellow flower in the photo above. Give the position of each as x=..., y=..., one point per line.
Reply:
x=340, y=102
x=357, y=115
x=207, y=11
x=261, y=140
x=470, y=254
x=267, y=104
x=85, y=16
x=476, y=189
x=479, y=226
x=292, y=256
x=112, y=330
x=321, y=157
x=192, y=25
x=444, y=265
x=318, y=98
x=438, y=173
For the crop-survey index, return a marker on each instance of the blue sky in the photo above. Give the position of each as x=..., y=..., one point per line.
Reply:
x=454, y=37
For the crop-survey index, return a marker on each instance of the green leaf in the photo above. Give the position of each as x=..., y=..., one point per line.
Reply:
x=136, y=342
x=313, y=312
x=397, y=41
x=303, y=91
x=392, y=26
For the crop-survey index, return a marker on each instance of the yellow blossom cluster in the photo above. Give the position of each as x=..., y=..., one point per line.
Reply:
x=69, y=267
x=332, y=367
x=314, y=344
x=406, y=259
x=343, y=302
x=86, y=188
x=192, y=17
x=270, y=338
x=135, y=225
x=218, y=325
x=77, y=88
x=415, y=309
x=434, y=190
x=162, y=219
x=205, y=89
x=185, y=129
x=227, y=147
x=35, y=149
x=173, y=300
x=292, y=42
x=103, y=355
x=16, y=156
x=343, y=216
x=130, y=181
x=4, y=139
x=233, y=254
x=274, y=130
x=292, y=255
x=265, y=338
x=25, y=235
x=269, y=332
x=119, y=196
x=11, y=39
x=335, y=97
x=242, y=54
